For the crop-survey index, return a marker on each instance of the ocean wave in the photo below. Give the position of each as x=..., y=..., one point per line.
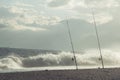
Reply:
x=89, y=58
x=10, y=62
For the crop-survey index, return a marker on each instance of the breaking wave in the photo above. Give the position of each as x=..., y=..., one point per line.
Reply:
x=10, y=62
x=89, y=58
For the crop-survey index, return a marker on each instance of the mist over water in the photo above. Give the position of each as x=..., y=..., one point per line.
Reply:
x=88, y=58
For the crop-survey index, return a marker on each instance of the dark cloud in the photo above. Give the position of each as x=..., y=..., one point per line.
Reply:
x=93, y=1
x=109, y=33
x=56, y=37
x=58, y=3
x=3, y=26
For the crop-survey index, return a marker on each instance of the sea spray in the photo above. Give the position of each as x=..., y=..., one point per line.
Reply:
x=10, y=62
x=49, y=59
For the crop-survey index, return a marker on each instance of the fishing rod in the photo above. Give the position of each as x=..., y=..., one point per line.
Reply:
x=98, y=40
x=72, y=46
x=97, y=36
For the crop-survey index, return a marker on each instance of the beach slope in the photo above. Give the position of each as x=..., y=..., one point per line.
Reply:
x=85, y=74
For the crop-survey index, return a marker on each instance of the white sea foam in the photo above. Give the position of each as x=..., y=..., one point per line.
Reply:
x=10, y=62
x=89, y=58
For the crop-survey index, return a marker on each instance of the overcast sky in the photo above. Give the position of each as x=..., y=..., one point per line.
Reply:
x=41, y=24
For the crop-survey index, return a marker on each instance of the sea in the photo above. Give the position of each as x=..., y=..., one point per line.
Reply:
x=17, y=59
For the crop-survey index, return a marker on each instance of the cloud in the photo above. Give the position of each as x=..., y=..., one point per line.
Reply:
x=102, y=3
x=82, y=9
x=97, y=4
x=5, y=12
x=22, y=17
x=39, y=20
x=56, y=37
x=83, y=34
x=58, y=3
x=102, y=9
x=3, y=26
x=101, y=18
x=21, y=27
x=50, y=22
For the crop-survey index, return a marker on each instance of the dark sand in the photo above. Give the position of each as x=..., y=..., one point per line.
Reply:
x=86, y=74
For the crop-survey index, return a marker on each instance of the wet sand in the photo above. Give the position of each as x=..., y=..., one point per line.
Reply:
x=83, y=74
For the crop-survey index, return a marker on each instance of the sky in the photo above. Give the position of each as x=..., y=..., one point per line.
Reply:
x=42, y=24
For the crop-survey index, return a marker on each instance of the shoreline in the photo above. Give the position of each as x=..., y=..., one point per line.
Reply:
x=81, y=74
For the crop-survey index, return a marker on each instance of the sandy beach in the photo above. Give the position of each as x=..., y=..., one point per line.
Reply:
x=83, y=74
